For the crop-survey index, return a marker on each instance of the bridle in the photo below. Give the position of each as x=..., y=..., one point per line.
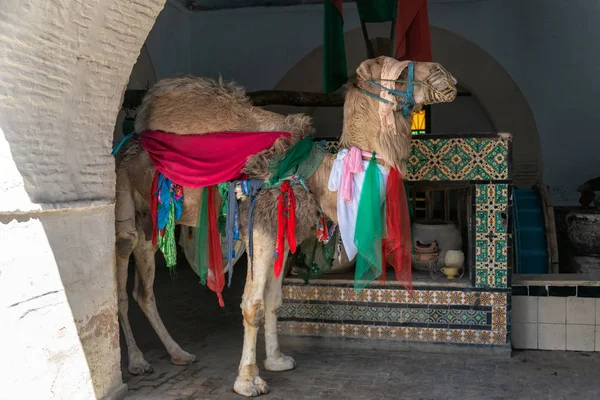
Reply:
x=408, y=97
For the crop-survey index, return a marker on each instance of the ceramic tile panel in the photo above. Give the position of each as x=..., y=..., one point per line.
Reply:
x=491, y=235
x=455, y=158
x=458, y=159
x=443, y=335
x=428, y=315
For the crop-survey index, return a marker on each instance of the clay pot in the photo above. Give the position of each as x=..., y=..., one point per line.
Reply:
x=446, y=234
x=583, y=228
x=454, y=259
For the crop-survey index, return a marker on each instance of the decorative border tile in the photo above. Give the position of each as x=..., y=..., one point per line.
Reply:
x=458, y=159
x=491, y=210
x=482, y=318
x=466, y=158
x=449, y=316
x=431, y=335
x=461, y=297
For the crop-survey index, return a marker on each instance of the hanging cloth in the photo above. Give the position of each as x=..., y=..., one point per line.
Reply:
x=286, y=225
x=397, y=243
x=204, y=160
x=413, y=39
x=347, y=211
x=232, y=228
x=209, y=257
x=286, y=165
x=376, y=11
x=251, y=188
x=335, y=70
x=166, y=207
x=368, y=239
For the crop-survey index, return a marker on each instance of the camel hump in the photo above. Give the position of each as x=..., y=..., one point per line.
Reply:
x=193, y=105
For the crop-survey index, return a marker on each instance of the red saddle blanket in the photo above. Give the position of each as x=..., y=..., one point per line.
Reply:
x=204, y=160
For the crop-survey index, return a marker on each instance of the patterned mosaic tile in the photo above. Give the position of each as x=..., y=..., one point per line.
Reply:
x=458, y=159
x=371, y=313
x=444, y=335
x=298, y=292
x=491, y=251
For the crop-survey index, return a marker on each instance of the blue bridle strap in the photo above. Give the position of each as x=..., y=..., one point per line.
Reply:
x=408, y=96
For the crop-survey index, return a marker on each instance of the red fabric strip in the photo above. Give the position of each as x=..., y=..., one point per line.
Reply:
x=413, y=39
x=397, y=245
x=195, y=161
x=286, y=224
x=216, y=275
x=154, y=207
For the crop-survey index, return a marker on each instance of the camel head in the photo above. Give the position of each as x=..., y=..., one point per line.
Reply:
x=379, y=105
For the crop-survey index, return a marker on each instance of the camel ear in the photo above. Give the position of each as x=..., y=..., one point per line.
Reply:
x=370, y=69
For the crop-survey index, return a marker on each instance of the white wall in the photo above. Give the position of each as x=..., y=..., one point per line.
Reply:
x=542, y=44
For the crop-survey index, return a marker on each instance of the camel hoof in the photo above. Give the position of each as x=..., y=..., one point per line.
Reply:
x=279, y=364
x=140, y=367
x=250, y=386
x=184, y=358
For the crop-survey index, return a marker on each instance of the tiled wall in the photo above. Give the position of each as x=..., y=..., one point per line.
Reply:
x=567, y=320
x=459, y=316
x=459, y=159
x=477, y=315
x=483, y=161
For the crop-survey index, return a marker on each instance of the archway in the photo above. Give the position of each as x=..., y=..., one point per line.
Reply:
x=496, y=94
x=64, y=68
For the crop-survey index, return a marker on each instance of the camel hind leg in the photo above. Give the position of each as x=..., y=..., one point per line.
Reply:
x=126, y=240
x=144, y=295
x=276, y=360
x=248, y=381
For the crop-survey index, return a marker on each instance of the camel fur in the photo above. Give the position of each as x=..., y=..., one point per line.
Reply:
x=190, y=105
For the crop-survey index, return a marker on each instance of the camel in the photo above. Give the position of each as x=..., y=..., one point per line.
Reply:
x=191, y=105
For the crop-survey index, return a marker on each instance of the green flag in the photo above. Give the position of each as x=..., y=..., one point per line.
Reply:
x=335, y=71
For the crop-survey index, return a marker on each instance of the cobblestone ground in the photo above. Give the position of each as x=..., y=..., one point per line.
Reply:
x=195, y=320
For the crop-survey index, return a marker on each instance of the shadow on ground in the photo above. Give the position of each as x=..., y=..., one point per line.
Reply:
x=191, y=313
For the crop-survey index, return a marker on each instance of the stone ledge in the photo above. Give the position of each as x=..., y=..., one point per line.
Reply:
x=308, y=342
x=554, y=280
x=45, y=208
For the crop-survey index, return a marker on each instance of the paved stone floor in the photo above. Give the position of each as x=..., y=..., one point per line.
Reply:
x=195, y=320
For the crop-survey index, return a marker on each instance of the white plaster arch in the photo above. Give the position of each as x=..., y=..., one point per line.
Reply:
x=64, y=66
x=499, y=96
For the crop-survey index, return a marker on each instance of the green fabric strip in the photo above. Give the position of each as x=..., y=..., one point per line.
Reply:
x=368, y=237
x=297, y=164
x=201, y=238
x=335, y=70
x=166, y=242
x=373, y=11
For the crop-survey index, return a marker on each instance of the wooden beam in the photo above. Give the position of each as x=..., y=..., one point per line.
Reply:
x=133, y=98
x=296, y=99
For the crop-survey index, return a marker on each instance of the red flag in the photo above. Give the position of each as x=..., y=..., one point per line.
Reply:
x=413, y=39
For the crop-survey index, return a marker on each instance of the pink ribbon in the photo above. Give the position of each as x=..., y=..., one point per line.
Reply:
x=352, y=165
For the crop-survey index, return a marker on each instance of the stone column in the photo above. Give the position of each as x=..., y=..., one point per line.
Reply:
x=63, y=69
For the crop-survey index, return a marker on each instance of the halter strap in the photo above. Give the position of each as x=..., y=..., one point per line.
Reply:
x=408, y=96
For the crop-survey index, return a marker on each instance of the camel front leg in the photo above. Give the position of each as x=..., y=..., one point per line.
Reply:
x=248, y=382
x=276, y=360
x=143, y=293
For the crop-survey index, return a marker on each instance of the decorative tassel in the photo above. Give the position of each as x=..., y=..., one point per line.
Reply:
x=286, y=225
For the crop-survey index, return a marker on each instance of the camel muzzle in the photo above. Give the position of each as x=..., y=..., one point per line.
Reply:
x=439, y=86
